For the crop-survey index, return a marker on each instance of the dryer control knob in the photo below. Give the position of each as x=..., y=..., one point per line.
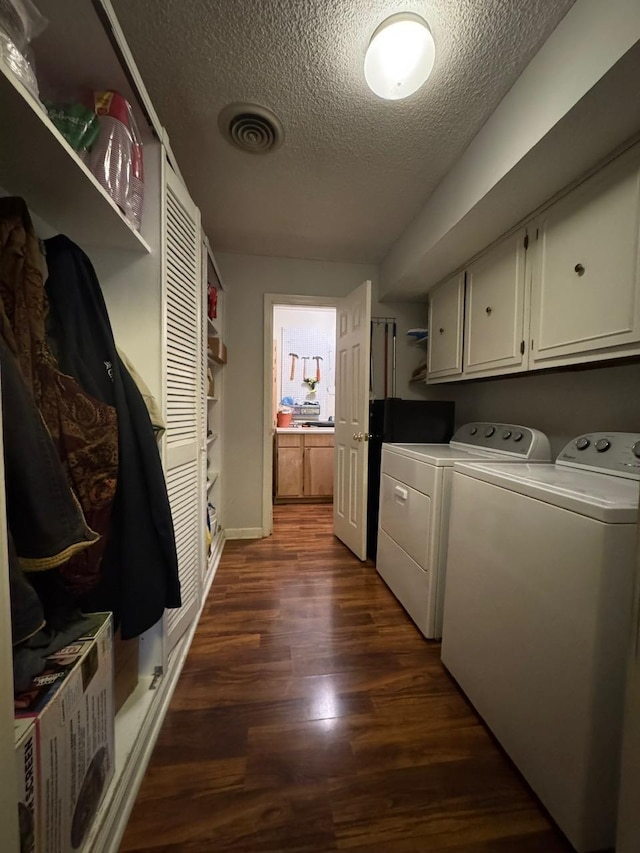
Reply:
x=517, y=436
x=489, y=432
x=602, y=445
x=582, y=443
x=506, y=434
x=473, y=430
x=636, y=449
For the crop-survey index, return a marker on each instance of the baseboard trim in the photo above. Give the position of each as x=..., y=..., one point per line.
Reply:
x=244, y=533
x=113, y=816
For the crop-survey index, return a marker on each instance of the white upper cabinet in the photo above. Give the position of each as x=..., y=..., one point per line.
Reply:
x=496, y=309
x=446, y=305
x=586, y=293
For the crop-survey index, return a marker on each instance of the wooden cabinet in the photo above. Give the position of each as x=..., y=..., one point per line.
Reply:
x=586, y=285
x=318, y=466
x=496, y=309
x=446, y=304
x=304, y=466
x=290, y=467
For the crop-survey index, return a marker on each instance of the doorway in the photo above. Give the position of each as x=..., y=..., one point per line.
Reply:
x=299, y=382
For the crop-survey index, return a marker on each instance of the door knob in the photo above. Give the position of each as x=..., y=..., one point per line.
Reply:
x=357, y=436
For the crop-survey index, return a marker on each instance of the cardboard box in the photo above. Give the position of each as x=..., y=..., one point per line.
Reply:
x=73, y=718
x=217, y=350
x=25, y=737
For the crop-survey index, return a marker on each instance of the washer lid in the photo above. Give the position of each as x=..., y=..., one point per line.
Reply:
x=441, y=454
x=604, y=497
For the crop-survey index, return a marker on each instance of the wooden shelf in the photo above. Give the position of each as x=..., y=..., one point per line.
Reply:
x=211, y=439
x=37, y=163
x=213, y=329
x=212, y=399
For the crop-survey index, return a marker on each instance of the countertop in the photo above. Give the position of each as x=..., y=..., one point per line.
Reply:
x=305, y=430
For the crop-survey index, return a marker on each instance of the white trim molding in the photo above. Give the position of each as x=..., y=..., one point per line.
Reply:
x=244, y=533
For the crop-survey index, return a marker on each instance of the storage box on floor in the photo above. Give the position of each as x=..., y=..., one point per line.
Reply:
x=65, y=743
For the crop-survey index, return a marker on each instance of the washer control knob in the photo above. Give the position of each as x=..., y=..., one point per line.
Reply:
x=582, y=443
x=636, y=449
x=518, y=436
x=473, y=430
x=602, y=445
x=506, y=434
x=489, y=432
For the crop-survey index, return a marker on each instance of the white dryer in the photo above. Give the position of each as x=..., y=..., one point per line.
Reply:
x=415, y=486
x=537, y=618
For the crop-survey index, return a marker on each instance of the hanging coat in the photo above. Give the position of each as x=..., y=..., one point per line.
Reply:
x=83, y=428
x=140, y=567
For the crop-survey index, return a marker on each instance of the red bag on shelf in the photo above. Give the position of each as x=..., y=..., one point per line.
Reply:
x=212, y=301
x=116, y=156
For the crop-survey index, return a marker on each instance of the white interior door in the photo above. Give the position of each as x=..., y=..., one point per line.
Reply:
x=353, y=345
x=184, y=359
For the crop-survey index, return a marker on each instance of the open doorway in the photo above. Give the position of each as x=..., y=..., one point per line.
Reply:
x=299, y=405
x=303, y=387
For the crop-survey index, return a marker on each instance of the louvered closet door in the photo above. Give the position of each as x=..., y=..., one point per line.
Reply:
x=203, y=396
x=184, y=359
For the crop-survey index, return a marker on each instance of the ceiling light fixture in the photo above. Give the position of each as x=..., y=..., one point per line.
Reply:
x=400, y=56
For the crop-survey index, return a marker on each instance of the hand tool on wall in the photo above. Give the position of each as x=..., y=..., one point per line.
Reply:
x=386, y=361
x=318, y=359
x=393, y=359
x=294, y=358
x=305, y=359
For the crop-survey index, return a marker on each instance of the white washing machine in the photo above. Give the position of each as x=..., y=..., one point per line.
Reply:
x=537, y=618
x=415, y=484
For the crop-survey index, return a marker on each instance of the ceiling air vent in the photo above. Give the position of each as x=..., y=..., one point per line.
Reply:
x=251, y=128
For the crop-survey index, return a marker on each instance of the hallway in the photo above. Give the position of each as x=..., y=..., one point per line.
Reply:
x=312, y=716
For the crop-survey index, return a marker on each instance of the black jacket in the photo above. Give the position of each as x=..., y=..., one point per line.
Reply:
x=140, y=567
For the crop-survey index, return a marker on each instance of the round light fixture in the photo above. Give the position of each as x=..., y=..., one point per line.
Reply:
x=400, y=56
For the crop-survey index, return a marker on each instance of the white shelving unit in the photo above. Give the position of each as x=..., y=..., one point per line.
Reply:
x=214, y=327
x=37, y=163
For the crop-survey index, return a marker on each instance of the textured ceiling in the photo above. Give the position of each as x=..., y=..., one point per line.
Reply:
x=353, y=170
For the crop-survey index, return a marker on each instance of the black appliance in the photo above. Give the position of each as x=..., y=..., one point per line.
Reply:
x=401, y=422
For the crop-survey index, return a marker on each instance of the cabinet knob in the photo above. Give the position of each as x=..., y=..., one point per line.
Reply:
x=441, y=330
x=488, y=309
x=579, y=269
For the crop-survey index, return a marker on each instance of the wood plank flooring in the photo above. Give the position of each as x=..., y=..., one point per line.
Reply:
x=311, y=716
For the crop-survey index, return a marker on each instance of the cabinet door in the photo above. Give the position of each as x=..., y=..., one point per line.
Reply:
x=586, y=282
x=290, y=473
x=446, y=303
x=496, y=295
x=318, y=472
x=182, y=264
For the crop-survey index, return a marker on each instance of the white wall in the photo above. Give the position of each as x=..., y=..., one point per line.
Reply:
x=561, y=403
x=247, y=278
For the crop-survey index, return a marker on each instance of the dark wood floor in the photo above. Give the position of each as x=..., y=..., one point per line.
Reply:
x=312, y=716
